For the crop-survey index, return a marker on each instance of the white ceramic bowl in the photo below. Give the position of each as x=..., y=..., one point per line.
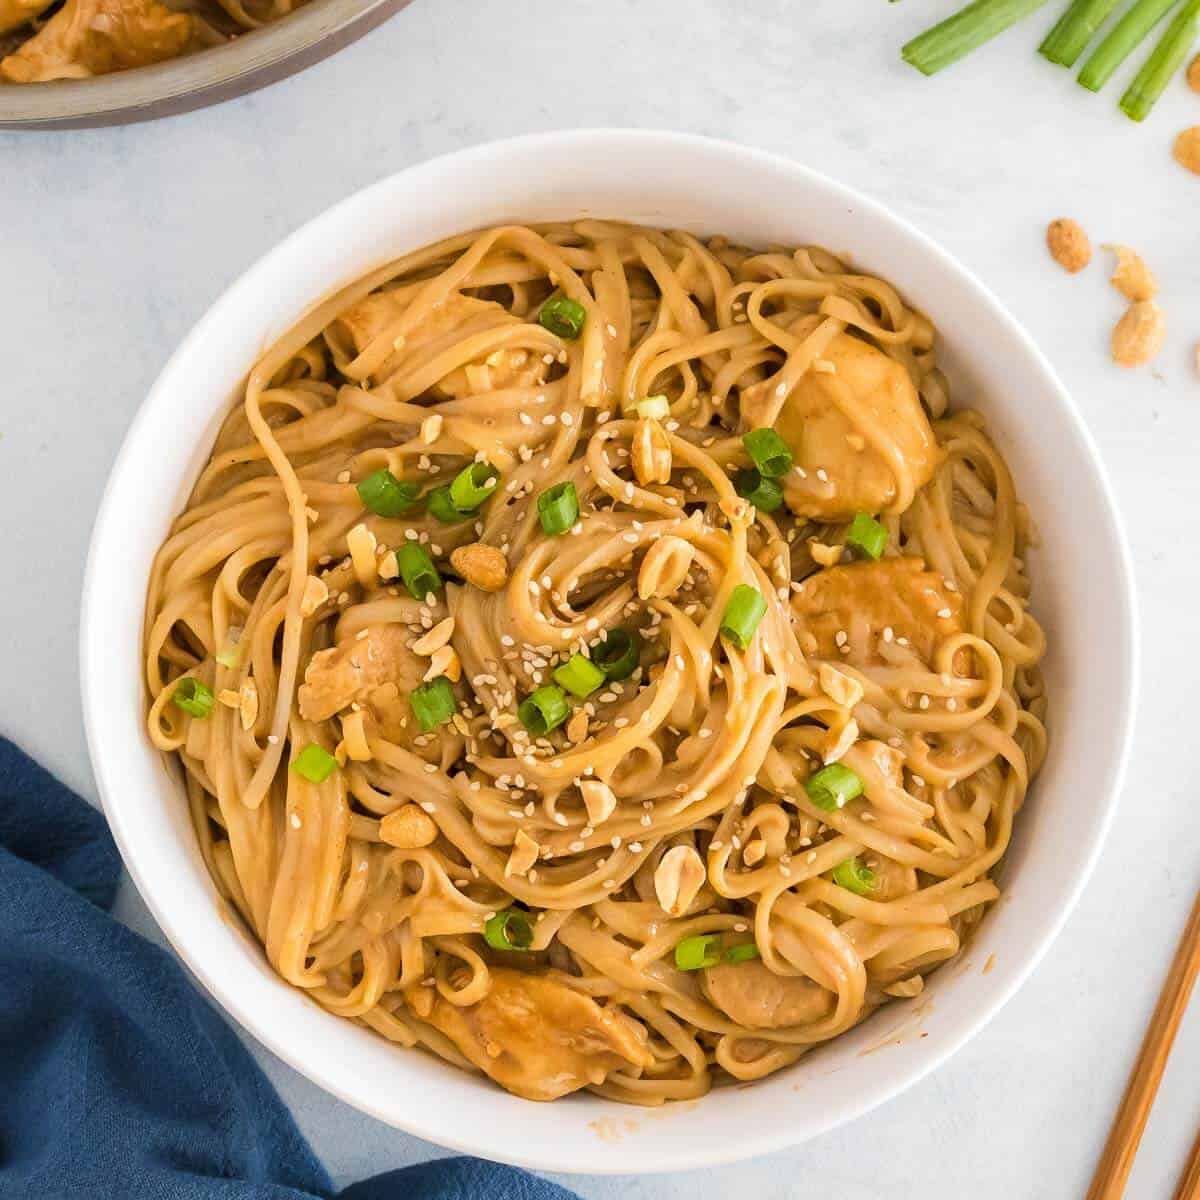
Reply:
x=1083, y=595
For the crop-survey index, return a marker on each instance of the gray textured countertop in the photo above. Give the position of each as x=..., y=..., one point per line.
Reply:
x=113, y=242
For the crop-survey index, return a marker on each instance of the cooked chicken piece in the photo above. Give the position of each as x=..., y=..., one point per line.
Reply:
x=378, y=671
x=844, y=472
x=449, y=322
x=864, y=601
x=752, y=995
x=535, y=1036
x=15, y=13
x=94, y=37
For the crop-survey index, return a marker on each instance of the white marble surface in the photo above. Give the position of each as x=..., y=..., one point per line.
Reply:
x=113, y=242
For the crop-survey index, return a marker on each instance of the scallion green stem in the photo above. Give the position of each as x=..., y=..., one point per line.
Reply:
x=1077, y=26
x=1126, y=35
x=1165, y=59
x=963, y=32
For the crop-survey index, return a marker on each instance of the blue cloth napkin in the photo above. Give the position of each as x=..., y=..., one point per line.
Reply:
x=116, y=1078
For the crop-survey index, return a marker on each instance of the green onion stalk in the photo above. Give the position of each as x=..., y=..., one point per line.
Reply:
x=1164, y=60
x=1125, y=37
x=964, y=31
x=1077, y=26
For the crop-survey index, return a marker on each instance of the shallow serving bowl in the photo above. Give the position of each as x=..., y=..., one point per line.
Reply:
x=250, y=61
x=1083, y=595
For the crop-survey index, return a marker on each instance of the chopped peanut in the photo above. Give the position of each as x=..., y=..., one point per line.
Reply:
x=361, y=543
x=445, y=661
x=1131, y=277
x=248, y=708
x=524, y=854
x=1139, y=334
x=598, y=799
x=823, y=555
x=408, y=828
x=431, y=428
x=678, y=879
x=754, y=852
x=838, y=743
x=577, y=727
x=1068, y=244
x=435, y=639
x=316, y=592
x=914, y=985
x=483, y=566
x=841, y=688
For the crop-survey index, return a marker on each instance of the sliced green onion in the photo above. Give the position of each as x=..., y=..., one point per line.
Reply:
x=386, y=495
x=769, y=452
x=1076, y=27
x=314, y=763
x=619, y=654
x=473, y=485
x=742, y=614
x=433, y=703
x=833, y=786
x=1124, y=37
x=417, y=570
x=544, y=710
x=742, y=953
x=195, y=698
x=656, y=408
x=765, y=494
x=563, y=316
x=694, y=953
x=964, y=31
x=855, y=876
x=558, y=508
x=441, y=507
x=867, y=534
x=580, y=676
x=1164, y=60
x=508, y=930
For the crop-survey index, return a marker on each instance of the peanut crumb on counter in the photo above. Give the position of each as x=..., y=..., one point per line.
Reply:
x=1193, y=74
x=1131, y=277
x=1187, y=149
x=1069, y=246
x=1139, y=334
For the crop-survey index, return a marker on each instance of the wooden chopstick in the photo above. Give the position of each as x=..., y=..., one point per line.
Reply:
x=1112, y=1171
x=1189, y=1185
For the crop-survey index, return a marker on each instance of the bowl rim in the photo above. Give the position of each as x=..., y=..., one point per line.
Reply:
x=1124, y=647
x=209, y=76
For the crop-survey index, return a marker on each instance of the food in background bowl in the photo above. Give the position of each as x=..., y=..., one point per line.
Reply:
x=43, y=40
x=602, y=657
